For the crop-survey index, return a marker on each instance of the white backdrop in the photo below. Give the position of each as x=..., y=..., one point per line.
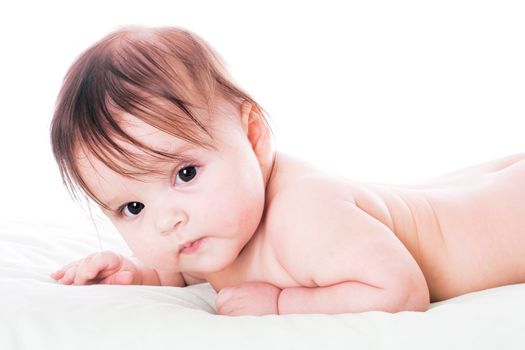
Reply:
x=385, y=91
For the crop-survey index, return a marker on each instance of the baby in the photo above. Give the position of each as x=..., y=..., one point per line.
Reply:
x=149, y=126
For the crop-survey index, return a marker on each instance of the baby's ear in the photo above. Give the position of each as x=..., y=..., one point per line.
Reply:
x=257, y=131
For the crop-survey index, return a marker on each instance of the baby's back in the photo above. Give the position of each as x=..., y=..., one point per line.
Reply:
x=466, y=230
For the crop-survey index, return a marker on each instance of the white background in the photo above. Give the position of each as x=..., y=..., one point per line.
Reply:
x=389, y=91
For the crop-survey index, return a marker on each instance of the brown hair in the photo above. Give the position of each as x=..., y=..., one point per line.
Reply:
x=163, y=76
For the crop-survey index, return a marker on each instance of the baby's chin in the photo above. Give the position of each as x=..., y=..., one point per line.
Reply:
x=214, y=263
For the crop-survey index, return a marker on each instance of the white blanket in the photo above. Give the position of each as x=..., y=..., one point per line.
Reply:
x=38, y=313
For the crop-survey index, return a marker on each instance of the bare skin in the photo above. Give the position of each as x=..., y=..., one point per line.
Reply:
x=322, y=244
x=465, y=229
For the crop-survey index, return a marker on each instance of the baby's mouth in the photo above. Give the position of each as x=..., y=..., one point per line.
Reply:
x=191, y=247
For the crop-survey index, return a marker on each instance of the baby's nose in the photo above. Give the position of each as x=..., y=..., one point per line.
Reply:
x=170, y=223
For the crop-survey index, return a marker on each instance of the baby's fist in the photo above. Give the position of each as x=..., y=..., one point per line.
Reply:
x=249, y=298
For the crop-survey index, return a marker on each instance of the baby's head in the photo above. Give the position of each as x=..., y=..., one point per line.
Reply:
x=150, y=127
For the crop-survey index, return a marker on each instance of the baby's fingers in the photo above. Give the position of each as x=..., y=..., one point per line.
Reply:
x=98, y=266
x=69, y=276
x=62, y=271
x=106, y=263
x=85, y=273
x=57, y=274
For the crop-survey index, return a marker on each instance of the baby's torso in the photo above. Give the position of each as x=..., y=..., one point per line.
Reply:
x=465, y=230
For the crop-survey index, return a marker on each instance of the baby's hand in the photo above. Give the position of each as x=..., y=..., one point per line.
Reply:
x=249, y=298
x=102, y=268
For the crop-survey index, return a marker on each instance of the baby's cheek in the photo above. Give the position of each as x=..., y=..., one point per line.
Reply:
x=249, y=197
x=238, y=210
x=227, y=216
x=249, y=212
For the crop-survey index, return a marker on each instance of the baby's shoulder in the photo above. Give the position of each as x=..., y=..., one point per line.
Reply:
x=311, y=189
x=318, y=215
x=315, y=191
x=318, y=197
x=302, y=196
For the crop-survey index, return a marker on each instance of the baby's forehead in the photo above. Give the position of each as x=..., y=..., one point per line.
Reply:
x=131, y=145
x=145, y=150
x=149, y=135
x=206, y=122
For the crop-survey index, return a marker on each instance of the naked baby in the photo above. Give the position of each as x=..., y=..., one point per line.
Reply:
x=149, y=126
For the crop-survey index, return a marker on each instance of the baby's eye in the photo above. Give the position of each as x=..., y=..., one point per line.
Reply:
x=186, y=174
x=132, y=209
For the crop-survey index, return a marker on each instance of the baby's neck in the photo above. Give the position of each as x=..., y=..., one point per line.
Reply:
x=285, y=169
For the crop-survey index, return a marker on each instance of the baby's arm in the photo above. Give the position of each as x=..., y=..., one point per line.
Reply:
x=112, y=268
x=355, y=262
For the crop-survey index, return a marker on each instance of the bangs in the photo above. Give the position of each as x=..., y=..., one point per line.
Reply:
x=103, y=137
x=166, y=77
